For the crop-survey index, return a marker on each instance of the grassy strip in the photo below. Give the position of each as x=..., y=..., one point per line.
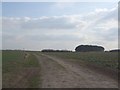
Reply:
x=34, y=81
x=31, y=61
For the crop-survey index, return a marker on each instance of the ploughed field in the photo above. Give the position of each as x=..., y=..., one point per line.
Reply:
x=59, y=69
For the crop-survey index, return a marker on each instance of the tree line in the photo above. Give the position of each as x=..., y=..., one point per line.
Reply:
x=52, y=50
x=83, y=48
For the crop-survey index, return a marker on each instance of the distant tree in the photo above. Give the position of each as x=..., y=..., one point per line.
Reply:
x=88, y=48
x=115, y=50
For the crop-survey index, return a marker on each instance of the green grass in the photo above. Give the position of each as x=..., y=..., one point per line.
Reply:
x=11, y=59
x=106, y=59
x=20, y=72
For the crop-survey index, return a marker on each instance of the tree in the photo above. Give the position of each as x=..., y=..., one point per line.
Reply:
x=88, y=48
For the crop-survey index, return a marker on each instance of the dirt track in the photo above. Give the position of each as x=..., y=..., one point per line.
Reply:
x=59, y=73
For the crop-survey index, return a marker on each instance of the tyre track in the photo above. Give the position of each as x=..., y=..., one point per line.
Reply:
x=59, y=73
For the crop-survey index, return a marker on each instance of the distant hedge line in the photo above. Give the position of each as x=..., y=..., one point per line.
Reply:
x=51, y=50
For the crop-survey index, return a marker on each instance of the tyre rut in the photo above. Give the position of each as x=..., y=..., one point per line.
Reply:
x=58, y=73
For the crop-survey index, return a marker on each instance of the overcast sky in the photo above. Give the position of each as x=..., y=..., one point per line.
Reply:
x=56, y=25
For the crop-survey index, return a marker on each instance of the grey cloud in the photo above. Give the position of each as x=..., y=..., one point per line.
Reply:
x=108, y=36
x=49, y=23
x=51, y=37
x=16, y=25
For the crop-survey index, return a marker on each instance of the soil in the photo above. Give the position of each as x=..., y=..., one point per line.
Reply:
x=62, y=73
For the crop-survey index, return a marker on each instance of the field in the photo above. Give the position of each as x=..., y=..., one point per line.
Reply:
x=104, y=59
x=19, y=71
x=25, y=69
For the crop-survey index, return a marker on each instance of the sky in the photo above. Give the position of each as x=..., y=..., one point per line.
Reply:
x=59, y=25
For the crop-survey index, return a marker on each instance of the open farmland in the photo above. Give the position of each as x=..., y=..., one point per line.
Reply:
x=59, y=70
x=18, y=71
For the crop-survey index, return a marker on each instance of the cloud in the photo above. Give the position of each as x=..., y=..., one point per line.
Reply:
x=49, y=23
x=55, y=22
x=97, y=27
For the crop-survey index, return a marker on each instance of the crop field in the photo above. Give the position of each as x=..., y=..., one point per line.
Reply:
x=105, y=59
x=19, y=71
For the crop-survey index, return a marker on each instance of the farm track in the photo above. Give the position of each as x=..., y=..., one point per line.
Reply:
x=60, y=73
